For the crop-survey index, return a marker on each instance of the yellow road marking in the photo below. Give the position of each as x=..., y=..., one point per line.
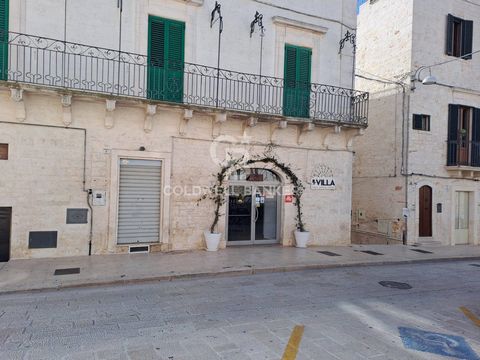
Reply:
x=470, y=315
x=294, y=343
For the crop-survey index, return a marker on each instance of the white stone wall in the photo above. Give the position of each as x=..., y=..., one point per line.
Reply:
x=395, y=38
x=46, y=164
x=44, y=174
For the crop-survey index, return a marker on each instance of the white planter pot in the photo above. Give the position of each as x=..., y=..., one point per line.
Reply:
x=212, y=240
x=301, y=238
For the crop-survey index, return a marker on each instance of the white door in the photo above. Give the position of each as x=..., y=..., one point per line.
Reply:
x=139, y=201
x=462, y=217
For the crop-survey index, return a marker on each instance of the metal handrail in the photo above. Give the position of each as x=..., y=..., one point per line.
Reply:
x=57, y=63
x=463, y=153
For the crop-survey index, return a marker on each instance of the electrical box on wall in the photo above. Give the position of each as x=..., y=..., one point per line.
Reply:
x=99, y=197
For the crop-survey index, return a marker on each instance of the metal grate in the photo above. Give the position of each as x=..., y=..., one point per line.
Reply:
x=395, y=285
x=67, y=271
x=328, y=253
x=370, y=252
x=422, y=251
x=138, y=249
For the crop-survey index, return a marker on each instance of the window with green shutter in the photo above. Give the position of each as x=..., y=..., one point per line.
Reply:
x=4, y=39
x=166, y=43
x=297, y=78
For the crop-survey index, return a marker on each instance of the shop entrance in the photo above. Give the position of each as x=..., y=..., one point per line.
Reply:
x=253, y=207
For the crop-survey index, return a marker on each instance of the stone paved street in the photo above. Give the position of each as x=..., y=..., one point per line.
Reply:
x=346, y=314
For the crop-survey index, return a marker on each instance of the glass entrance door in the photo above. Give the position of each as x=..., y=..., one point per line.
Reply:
x=252, y=214
x=240, y=214
x=265, y=214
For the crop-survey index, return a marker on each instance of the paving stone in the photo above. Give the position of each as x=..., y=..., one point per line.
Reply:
x=220, y=319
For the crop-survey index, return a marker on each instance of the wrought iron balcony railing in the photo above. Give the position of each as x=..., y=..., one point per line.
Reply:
x=55, y=63
x=463, y=153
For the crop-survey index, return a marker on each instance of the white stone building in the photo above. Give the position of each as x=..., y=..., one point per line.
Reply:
x=416, y=171
x=107, y=135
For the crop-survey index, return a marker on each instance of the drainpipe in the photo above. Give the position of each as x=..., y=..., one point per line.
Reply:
x=90, y=235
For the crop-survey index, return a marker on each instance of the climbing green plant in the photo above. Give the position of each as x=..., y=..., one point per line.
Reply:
x=218, y=191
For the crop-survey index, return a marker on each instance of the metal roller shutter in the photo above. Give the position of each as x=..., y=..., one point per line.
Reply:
x=139, y=201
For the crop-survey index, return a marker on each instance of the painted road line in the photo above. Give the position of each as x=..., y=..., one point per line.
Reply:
x=294, y=343
x=470, y=315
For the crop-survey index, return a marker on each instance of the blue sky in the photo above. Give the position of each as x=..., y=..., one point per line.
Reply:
x=360, y=2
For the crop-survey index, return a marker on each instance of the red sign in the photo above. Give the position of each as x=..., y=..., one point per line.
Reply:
x=288, y=198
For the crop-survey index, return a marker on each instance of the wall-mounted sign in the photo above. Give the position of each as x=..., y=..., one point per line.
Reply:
x=322, y=178
x=288, y=198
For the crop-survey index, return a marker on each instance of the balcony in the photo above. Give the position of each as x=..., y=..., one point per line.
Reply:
x=464, y=158
x=57, y=64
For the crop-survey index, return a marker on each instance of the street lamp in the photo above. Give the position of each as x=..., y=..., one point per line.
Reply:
x=427, y=80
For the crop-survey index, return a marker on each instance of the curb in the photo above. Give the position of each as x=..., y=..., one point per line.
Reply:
x=231, y=273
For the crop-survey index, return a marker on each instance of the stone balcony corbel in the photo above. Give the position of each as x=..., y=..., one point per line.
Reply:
x=66, y=100
x=17, y=96
x=150, y=112
x=337, y=129
x=302, y=130
x=183, y=127
x=275, y=126
x=219, y=119
x=249, y=123
x=109, y=113
x=352, y=135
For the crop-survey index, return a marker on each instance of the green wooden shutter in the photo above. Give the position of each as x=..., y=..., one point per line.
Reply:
x=4, y=39
x=467, y=39
x=304, y=60
x=290, y=80
x=175, y=61
x=297, y=77
x=475, y=149
x=166, y=43
x=452, y=134
x=449, y=45
x=156, y=58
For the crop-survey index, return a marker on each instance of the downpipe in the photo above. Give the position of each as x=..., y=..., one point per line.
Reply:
x=90, y=235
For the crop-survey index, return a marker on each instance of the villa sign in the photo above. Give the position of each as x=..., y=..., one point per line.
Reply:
x=322, y=178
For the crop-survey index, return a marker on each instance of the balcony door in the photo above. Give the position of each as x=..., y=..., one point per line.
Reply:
x=166, y=44
x=425, y=211
x=463, y=136
x=297, y=79
x=4, y=39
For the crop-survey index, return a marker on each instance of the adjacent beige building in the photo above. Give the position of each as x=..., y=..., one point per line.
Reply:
x=113, y=122
x=416, y=170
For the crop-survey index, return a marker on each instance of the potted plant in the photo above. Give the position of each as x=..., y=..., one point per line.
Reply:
x=301, y=234
x=217, y=193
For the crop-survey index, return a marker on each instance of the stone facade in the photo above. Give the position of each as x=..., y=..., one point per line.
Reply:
x=393, y=161
x=64, y=142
